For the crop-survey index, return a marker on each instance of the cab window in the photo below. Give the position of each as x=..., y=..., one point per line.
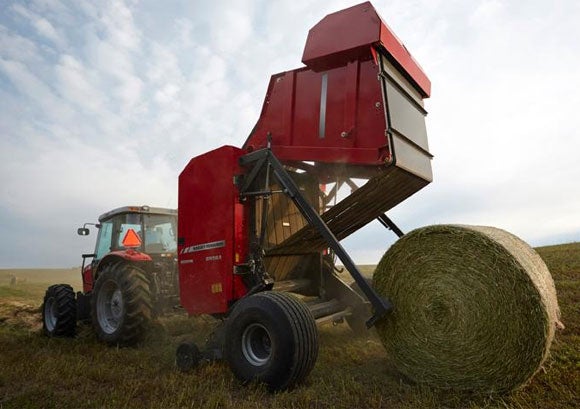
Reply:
x=160, y=234
x=104, y=239
x=123, y=232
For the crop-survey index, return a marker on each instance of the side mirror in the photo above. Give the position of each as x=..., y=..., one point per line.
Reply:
x=83, y=231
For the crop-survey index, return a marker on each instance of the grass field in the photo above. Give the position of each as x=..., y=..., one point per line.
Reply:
x=351, y=372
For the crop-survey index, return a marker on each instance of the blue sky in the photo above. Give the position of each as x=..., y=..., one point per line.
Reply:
x=103, y=103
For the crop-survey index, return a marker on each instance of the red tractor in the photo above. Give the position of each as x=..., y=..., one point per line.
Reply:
x=132, y=277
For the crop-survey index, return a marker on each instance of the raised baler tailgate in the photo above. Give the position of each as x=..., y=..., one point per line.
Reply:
x=377, y=196
x=409, y=171
x=336, y=116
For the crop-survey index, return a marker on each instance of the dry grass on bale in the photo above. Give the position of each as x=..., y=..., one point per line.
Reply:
x=475, y=308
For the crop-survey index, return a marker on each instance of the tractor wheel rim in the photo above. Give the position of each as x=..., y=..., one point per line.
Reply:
x=256, y=344
x=110, y=307
x=50, y=314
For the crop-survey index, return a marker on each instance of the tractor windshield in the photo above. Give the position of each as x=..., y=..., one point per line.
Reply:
x=155, y=231
x=129, y=221
x=160, y=233
x=104, y=239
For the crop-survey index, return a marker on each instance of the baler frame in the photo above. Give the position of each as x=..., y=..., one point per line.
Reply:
x=264, y=159
x=259, y=226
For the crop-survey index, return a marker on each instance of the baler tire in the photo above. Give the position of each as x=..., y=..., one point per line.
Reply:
x=271, y=338
x=59, y=311
x=121, y=307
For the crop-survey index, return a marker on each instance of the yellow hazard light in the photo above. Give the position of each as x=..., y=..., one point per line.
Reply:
x=131, y=239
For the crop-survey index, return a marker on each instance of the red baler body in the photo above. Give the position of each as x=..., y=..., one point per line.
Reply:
x=212, y=232
x=332, y=110
x=355, y=111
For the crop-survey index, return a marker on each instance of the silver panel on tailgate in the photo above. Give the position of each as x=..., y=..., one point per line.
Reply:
x=406, y=120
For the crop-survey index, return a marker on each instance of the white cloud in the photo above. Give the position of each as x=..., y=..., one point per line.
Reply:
x=119, y=26
x=102, y=104
x=42, y=26
x=18, y=48
x=75, y=84
x=486, y=12
x=34, y=89
x=232, y=28
x=47, y=30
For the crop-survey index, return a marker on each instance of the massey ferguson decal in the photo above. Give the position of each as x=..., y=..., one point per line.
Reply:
x=204, y=246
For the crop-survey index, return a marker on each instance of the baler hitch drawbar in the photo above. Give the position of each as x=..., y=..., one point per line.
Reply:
x=264, y=159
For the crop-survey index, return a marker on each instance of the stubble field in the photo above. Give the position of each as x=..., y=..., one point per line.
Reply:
x=352, y=371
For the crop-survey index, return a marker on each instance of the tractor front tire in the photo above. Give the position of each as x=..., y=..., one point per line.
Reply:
x=271, y=338
x=59, y=311
x=121, y=307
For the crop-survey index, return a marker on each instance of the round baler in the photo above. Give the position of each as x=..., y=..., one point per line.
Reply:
x=339, y=142
x=260, y=226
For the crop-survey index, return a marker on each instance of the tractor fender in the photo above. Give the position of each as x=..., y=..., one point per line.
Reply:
x=129, y=255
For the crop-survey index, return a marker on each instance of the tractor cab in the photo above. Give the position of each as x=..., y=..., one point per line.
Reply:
x=148, y=230
x=141, y=234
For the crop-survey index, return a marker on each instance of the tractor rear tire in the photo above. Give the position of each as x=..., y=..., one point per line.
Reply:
x=121, y=308
x=271, y=338
x=59, y=311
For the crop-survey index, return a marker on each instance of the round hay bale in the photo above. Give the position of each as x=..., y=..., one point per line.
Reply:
x=475, y=308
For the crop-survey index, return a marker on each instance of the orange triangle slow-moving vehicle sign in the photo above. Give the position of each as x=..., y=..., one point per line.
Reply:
x=131, y=239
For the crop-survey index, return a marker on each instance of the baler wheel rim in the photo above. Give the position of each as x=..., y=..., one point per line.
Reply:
x=257, y=344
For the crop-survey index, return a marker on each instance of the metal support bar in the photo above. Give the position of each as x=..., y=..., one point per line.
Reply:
x=253, y=156
x=351, y=184
x=85, y=256
x=332, y=194
x=265, y=206
x=248, y=180
x=259, y=159
x=380, y=305
x=262, y=193
x=389, y=224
